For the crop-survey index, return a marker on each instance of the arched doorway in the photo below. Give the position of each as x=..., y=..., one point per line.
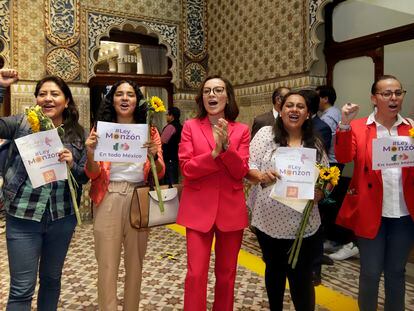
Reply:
x=129, y=55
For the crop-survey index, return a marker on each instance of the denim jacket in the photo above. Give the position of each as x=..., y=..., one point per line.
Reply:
x=17, y=126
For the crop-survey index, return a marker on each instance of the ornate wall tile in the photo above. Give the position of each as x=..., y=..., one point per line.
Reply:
x=257, y=40
x=165, y=10
x=5, y=32
x=100, y=24
x=64, y=63
x=316, y=9
x=194, y=74
x=28, y=27
x=62, y=21
x=195, y=38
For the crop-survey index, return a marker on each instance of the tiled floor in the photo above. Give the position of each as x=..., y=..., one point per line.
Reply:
x=164, y=272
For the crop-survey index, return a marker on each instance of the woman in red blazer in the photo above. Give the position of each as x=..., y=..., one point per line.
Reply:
x=379, y=205
x=213, y=156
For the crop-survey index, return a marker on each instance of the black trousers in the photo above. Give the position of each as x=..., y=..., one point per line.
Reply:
x=276, y=255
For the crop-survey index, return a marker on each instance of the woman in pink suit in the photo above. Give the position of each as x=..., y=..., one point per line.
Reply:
x=379, y=205
x=213, y=155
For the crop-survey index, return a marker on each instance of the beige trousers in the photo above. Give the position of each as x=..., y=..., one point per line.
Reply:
x=112, y=229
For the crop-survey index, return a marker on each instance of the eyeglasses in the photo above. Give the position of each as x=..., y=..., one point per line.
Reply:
x=388, y=94
x=218, y=90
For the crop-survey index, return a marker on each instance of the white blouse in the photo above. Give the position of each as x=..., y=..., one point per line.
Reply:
x=268, y=215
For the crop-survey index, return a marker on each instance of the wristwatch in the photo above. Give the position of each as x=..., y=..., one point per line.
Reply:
x=344, y=127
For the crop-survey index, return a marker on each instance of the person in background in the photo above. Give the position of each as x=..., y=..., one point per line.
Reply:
x=268, y=118
x=338, y=240
x=324, y=131
x=40, y=221
x=213, y=155
x=379, y=204
x=277, y=224
x=170, y=138
x=111, y=192
x=321, y=127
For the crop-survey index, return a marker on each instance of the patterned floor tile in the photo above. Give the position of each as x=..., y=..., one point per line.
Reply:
x=164, y=273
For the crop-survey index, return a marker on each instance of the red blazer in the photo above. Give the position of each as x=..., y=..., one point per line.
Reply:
x=213, y=188
x=361, y=209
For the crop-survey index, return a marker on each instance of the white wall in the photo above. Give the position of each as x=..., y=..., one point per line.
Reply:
x=399, y=61
x=356, y=18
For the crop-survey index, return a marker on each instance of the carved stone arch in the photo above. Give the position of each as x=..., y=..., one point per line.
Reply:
x=316, y=20
x=100, y=25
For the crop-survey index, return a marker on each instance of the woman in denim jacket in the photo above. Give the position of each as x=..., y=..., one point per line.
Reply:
x=40, y=221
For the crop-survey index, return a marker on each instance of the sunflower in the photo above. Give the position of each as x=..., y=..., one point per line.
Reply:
x=411, y=132
x=157, y=104
x=33, y=120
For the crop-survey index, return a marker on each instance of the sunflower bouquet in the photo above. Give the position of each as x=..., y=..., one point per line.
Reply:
x=411, y=132
x=40, y=122
x=154, y=105
x=328, y=177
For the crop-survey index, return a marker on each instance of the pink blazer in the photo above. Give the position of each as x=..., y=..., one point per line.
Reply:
x=361, y=209
x=213, y=188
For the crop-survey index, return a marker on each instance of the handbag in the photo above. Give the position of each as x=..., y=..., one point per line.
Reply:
x=145, y=211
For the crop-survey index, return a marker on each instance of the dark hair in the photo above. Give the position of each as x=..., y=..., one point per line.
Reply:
x=313, y=98
x=231, y=111
x=70, y=114
x=278, y=93
x=384, y=77
x=175, y=112
x=310, y=140
x=107, y=111
x=327, y=91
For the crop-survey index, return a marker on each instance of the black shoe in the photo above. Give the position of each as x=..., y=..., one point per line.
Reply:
x=325, y=260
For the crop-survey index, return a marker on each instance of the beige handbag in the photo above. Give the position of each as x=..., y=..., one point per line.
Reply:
x=145, y=211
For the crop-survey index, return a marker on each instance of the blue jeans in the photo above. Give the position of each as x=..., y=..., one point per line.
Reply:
x=388, y=252
x=30, y=245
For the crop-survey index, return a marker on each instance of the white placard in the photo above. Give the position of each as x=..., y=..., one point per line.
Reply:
x=392, y=151
x=296, y=167
x=40, y=156
x=121, y=142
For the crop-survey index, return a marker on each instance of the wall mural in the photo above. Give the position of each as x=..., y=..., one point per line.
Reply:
x=5, y=31
x=195, y=42
x=63, y=63
x=62, y=31
x=62, y=21
x=99, y=25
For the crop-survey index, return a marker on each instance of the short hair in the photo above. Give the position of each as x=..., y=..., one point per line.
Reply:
x=231, y=111
x=327, y=91
x=175, y=112
x=313, y=99
x=278, y=93
x=383, y=77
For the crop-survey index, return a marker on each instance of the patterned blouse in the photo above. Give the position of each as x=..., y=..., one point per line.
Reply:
x=268, y=215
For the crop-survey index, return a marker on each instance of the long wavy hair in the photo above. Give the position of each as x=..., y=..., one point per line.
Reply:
x=231, y=111
x=310, y=140
x=107, y=111
x=70, y=114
